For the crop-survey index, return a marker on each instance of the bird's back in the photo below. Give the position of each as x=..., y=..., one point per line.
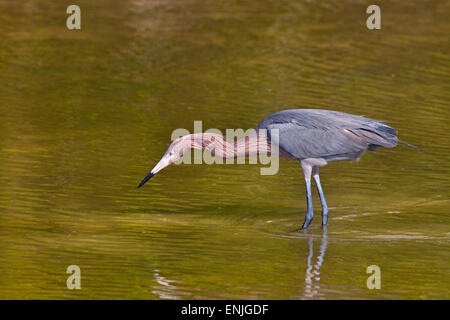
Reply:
x=331, y=135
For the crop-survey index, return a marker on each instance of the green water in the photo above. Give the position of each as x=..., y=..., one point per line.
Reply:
x=84, y=115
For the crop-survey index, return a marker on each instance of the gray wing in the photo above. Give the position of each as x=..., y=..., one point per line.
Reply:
x=331, y=135
x=328, y=144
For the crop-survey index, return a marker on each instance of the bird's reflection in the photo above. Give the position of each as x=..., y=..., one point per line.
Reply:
x=312, y=277
x=166, y=289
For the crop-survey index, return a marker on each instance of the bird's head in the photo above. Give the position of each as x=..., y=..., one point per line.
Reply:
x=173, y=153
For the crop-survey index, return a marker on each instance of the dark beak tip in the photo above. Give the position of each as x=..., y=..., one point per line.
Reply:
x=145, y=180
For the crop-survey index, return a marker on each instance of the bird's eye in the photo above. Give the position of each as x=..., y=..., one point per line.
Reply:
x=170, y=153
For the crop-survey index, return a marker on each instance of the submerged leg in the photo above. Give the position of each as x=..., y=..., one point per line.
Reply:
x=307, y=168
x=315, y=172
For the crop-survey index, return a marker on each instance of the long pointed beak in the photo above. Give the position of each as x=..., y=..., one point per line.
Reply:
x=164, y=162
x=145, y=179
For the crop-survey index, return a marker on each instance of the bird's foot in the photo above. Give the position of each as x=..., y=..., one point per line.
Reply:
x=324, y=216
x=305, y=225
x=308, y=219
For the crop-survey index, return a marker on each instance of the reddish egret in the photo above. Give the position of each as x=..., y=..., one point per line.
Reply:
x=313, y=137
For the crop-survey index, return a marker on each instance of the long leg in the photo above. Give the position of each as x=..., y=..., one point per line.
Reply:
x=315, y=172
x=307, y=168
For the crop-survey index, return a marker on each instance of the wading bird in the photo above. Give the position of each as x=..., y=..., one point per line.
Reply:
x=311, y=136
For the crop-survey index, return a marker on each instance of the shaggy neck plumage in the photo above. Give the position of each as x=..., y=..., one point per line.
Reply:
x=250, y=145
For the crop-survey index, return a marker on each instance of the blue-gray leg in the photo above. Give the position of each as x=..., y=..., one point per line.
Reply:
x=322, y=196
x=309, y=213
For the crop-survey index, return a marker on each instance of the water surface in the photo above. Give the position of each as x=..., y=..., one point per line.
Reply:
x=85, y=114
